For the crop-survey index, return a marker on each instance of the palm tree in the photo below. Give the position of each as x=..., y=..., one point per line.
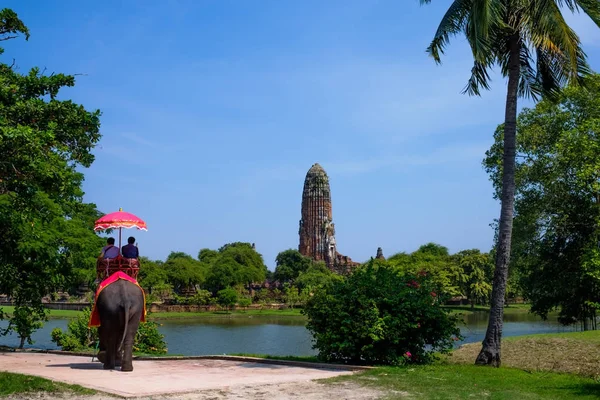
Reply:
x=539, y=53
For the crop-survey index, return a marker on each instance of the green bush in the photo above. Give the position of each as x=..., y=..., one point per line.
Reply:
x=244, y=302
x=149, y=340
x=227, y=297
x=79, y=337
x=377, y=316
x=200, y=298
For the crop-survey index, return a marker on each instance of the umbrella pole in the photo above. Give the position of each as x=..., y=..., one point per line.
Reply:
x=120, y=238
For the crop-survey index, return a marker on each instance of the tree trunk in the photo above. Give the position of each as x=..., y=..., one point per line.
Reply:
x=22, y=342
x=490, y=352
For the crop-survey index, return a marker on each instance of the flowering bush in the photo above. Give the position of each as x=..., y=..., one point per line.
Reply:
x=377, y=316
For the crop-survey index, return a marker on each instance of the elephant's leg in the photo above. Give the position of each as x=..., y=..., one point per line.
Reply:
x=132, y=327
x=111, y=345
x=102, y=345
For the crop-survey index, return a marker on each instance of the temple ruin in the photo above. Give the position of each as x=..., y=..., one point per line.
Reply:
x=317, y=231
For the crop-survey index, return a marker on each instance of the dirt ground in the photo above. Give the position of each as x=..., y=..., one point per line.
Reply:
x=308, y=390
x=185, y=379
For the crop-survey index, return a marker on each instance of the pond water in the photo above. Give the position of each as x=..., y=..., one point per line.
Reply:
x=278, y=335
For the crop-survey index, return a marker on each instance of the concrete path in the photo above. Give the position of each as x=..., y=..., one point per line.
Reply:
x=151, y=378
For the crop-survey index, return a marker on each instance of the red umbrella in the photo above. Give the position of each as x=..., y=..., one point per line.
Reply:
x=119, y=219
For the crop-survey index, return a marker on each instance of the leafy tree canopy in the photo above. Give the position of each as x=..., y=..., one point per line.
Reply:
x=289, y=264
x=234, y=264
x=557, y=207
x=46, y=229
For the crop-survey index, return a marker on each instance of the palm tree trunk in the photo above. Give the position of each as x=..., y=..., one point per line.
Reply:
x=490, y=352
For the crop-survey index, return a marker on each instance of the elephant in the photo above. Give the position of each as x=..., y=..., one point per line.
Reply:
x=120, y=307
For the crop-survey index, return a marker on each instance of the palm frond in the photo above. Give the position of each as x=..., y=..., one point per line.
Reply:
x=529, y=85
x=452, y=23
x=484, y=15
x=591, y=8
x=550, y=72
x=545, y=26
x=480, y=78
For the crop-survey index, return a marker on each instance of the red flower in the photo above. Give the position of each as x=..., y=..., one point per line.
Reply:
x=433, y=294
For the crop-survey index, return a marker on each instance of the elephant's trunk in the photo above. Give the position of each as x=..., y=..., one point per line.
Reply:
x=127, y=306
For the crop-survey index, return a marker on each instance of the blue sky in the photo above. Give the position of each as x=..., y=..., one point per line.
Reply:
x=213, y=112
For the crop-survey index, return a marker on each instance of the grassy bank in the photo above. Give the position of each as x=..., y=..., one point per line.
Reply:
x=21, y=384
x=52, y=313
x=574, y=352
x=510, y=310
x=185, y=315
x=232, y=314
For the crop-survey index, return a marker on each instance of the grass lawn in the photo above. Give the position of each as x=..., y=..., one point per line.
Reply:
x=295, y=312
x=53, y=313
x=453, y=381
x=511, y=309
x=16, y=383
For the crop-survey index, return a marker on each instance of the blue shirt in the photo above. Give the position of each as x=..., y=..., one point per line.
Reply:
x=130, y=251
x=110, y=251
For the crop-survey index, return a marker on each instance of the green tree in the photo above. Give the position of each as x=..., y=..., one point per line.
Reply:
x=152, y=274
x=433, y=249
x=44, y=224
x=538, y=52
x=431, y=259
x=474, y=275
x=207, y=255
x=317, y=275
x=557, y=209
x=24, y=321
x=184, y=272
x=289, y=264
x=378, y=316
x=227, y=297
x=291, y=296
x=236, y=263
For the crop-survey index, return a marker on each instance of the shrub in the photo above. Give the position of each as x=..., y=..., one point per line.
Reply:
x=200, y=298
x=149, y=340
x=244, y=301
x=377, y=316
x=78, y=337
x=227, y=297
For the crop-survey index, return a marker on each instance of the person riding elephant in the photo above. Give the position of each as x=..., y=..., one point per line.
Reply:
x=120, y=307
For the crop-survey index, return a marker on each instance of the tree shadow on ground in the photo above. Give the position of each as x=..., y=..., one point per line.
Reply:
x=585, y=389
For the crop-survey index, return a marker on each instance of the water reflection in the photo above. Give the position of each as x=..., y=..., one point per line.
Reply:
x=515, y=324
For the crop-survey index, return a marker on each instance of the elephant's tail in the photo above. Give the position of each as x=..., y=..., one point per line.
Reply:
x=125, y=329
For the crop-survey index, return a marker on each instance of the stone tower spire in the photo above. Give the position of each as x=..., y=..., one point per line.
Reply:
x=317, y=231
